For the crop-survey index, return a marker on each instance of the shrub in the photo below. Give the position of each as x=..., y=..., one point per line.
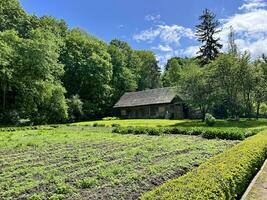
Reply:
x=115, y=125
x=9, y=117
x=75, y=108
x=98, y=125
x=35, y=197
x=110, y=118
x=209, y=133
x=87, y=183
x=209, y=119
x=225, y=176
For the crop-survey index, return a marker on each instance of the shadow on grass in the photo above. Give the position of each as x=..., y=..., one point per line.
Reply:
x=243, y=123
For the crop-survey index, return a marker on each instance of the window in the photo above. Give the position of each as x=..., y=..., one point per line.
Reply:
x=123, y=112
x=162, y=109
x=153, y=111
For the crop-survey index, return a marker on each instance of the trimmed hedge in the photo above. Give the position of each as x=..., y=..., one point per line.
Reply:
x=223, y=177
x=25, y=128
x=209, y=133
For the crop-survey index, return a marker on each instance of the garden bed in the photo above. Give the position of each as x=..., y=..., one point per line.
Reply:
x=80, y=163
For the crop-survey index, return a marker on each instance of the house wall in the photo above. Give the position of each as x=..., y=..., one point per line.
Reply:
x=168, y=111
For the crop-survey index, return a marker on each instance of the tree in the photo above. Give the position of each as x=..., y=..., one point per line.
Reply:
x=197, y=88
x=232, y=47
x=12, y=16
x=8, y=42
x=123, y=77
x=88, y=71
x=75, y=106
x=149, y=72
x=260, y=89
x=206, y=34
x=173, y=69
x=30, y=76
x=48, y=23
x=38, y=77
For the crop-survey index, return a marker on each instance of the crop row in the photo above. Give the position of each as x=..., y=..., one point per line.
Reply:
x=96, y=166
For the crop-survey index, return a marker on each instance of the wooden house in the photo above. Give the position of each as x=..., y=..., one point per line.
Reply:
x=152, y=103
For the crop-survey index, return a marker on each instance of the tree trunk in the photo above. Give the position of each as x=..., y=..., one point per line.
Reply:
x=258, y=110
x=4, y=95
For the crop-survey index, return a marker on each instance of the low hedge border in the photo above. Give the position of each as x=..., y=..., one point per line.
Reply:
x=223, y=177
x=25, y=128
x=209, y=133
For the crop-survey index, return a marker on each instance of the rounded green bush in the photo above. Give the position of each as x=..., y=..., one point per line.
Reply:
x=209, y=119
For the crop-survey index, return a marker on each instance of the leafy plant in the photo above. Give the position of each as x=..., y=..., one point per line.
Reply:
x=209, y=119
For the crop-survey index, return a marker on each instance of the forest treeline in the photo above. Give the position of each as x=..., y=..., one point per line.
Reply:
x=50, y=73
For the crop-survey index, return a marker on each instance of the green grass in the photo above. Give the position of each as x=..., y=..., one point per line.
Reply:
x=92, y=163
x=243, y=123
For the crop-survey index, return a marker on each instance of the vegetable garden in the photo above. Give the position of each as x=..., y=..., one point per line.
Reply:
x=87, y=162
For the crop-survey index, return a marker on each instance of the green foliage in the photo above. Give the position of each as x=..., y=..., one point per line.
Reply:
x=124, y=75
x=173, y=70
x=53, y=163
x=35, y=88
x=209, y=119
x=110, y=118
x=196, y=88
x=12, y=16
x=88, y=65
x=87, y=183
x=149, y=70
x=225, y=176
x=206, y=33
x=35, y=197
x=209, y=133
x=75, y=106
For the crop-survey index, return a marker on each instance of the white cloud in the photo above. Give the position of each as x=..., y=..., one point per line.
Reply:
x=153, y=18
x=251, y=5
x=164, y=48
x=250, y=27
x=249, y=23
x=190, y=51
x=165, y=33
x=120, y=26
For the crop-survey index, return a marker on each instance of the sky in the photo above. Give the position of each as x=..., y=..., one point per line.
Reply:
x=166, y=27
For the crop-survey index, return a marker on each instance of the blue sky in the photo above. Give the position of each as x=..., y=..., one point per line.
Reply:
x=164, y=26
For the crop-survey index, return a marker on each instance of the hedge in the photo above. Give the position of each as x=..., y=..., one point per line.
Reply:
x=223, y=177
x=25, y=128
x=210, y=133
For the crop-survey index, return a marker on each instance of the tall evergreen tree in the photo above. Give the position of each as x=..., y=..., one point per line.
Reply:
x=206, y=33
x=232, y=47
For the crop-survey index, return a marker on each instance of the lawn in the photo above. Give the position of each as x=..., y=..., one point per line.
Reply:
x=242, y=124
x=93, y=163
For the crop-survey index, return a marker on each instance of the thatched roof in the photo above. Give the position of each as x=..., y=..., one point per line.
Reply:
x=147, y=97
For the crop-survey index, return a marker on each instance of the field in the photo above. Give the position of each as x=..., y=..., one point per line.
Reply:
x=92, y=163
x=243, y=123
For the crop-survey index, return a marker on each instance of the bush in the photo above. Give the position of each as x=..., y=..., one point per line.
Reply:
x=209, y=133
x=98, y=125
x=209, y=119
x=110, y=118
x=115, y=125
x=10, y=117
x=75, y=108
x=225, y=176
